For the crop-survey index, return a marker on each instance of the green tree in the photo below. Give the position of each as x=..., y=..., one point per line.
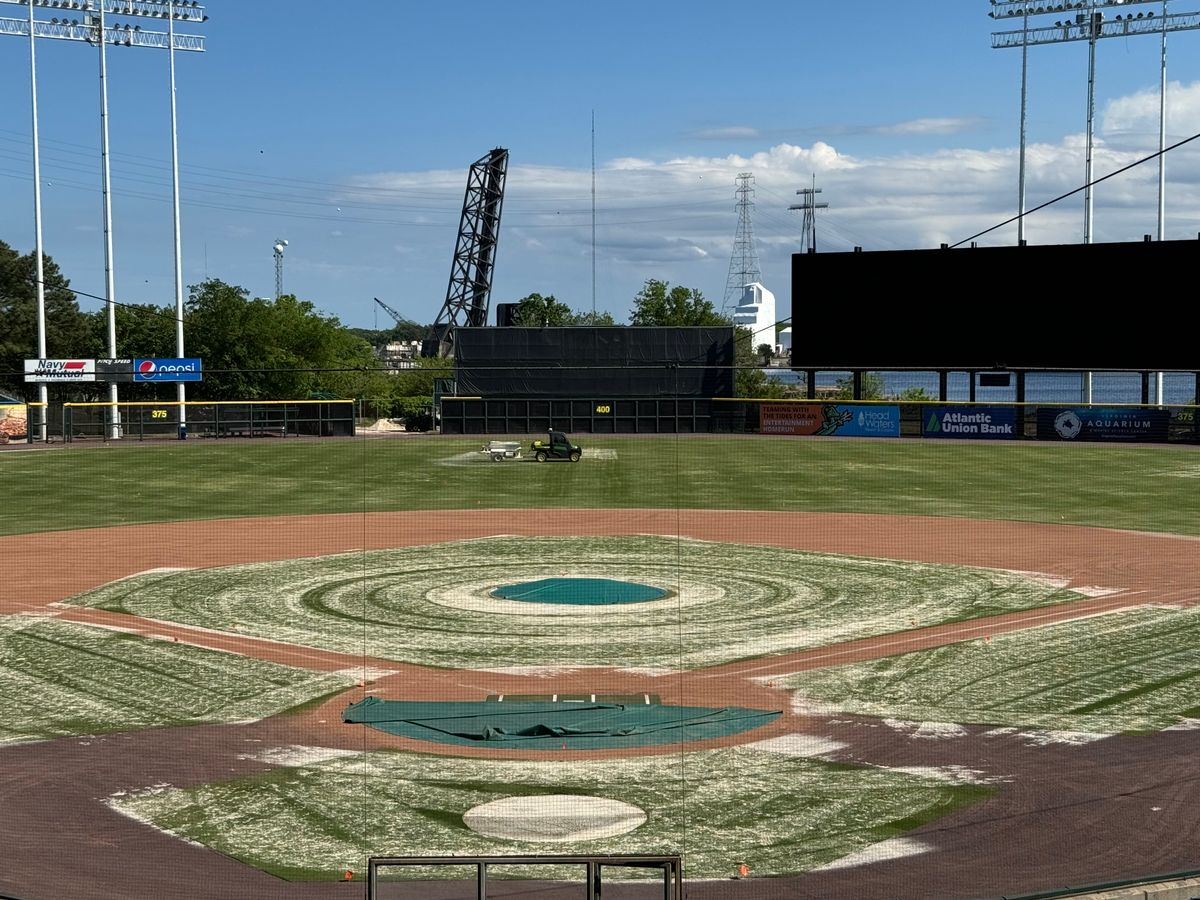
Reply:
x=603, y=317
x=537, y=311
x=657, y=303
x=271, y=349
x=67, y=330
x=143, y=330
x=872, y=387
x=751, y=380
x=914, y=395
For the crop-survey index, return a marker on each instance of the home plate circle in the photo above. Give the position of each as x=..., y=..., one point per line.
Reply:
x=554, y=817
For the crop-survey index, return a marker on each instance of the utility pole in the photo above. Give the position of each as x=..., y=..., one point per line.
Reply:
x=809, y=206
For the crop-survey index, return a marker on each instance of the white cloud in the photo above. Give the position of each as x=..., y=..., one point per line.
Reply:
x=930, y=126
x=729, y=132
x=1136, y=115
x=675, y=218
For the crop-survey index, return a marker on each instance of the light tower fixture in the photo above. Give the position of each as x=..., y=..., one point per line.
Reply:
x=88, y=25
x=1091, y=21
x=280, y=244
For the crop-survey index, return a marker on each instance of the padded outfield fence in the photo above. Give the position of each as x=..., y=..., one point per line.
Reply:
x=159, y=420
x=847, y=418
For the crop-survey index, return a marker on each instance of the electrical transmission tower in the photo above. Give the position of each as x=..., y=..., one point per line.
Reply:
x=743, y=264
x=809, y=206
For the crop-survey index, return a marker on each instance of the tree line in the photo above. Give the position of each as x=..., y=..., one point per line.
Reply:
x=256, y=348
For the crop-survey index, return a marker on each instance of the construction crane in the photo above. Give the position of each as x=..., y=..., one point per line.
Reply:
x=402, y=321
x=469, y=292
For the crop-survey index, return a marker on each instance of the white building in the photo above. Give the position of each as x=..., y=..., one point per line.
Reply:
x=757, y=312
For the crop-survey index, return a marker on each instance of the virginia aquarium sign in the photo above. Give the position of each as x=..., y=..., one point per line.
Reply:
x=1099, y=423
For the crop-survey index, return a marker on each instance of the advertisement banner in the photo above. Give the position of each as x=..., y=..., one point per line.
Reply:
x=1097, y=423
x=114, y=370
x=14, y=421
x=164, y=370
x=54, y=370
x=847, y=419
x=970, y=422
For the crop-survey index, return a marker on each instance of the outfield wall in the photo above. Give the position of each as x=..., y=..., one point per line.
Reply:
x=957, y=421
x=150, y=420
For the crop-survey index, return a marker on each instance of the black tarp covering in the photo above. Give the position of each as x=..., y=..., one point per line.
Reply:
x=611, y=361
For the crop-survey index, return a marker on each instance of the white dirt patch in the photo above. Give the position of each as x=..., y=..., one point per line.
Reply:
x=554, y=818
x=1184, y=725
x=365, y=673
x=298, y=755
x=1070, y=738
x=951, y=774
x=931, y=730
x=537, y=671
x=895, y=848
x=810, y=746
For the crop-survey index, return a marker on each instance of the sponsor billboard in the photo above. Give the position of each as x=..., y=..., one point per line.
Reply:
x=164, y=370
x=847, y=419
x=970, y=422
x=1099, y=423
x=14, y=421
x=53, y=370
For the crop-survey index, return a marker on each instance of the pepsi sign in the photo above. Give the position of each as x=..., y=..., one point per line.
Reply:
x=164, y=370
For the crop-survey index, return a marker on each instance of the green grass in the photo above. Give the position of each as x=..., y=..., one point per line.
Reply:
x=1132, y=671
x=778, y=814
x=1144, y=488
x=432, y=604
x=59, y=679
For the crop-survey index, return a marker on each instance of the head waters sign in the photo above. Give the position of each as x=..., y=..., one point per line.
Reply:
x=55, y=370
x=167, y=370
x=970, y=422
x=850, y=420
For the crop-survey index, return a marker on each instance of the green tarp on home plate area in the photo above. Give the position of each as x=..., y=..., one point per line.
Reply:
x=551, y=725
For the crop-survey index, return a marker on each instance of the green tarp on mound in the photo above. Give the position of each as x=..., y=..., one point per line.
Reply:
x=551, y=725
x=580, y=591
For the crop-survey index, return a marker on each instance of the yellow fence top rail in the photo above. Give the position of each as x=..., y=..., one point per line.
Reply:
x=99, y=403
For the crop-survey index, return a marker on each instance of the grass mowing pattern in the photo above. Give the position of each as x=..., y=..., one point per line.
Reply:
x=59, y=679
x=433, y=604
x=1143, y=488
x=1129, y=671
x=778, y=814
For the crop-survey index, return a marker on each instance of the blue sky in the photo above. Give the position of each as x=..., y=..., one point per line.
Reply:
x=350, y=135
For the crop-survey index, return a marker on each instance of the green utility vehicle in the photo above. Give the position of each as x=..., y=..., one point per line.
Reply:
x=558, y=446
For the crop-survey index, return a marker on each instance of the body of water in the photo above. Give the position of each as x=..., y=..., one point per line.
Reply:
x=1040, y=387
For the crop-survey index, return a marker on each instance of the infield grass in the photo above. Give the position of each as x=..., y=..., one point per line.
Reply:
x=59, y=679
x=1140, y=488
x=1136, y=670
x=433, y=604
x=778, y=814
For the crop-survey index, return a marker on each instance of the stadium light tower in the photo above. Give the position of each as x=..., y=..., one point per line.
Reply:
x=93, y=29
x=1087, y=20
x=280, y=244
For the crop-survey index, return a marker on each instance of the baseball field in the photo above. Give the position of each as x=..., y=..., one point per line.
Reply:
x=813, y=667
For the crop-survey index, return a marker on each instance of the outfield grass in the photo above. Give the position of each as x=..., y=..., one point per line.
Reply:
x=1142, y=488
x=778, y=814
